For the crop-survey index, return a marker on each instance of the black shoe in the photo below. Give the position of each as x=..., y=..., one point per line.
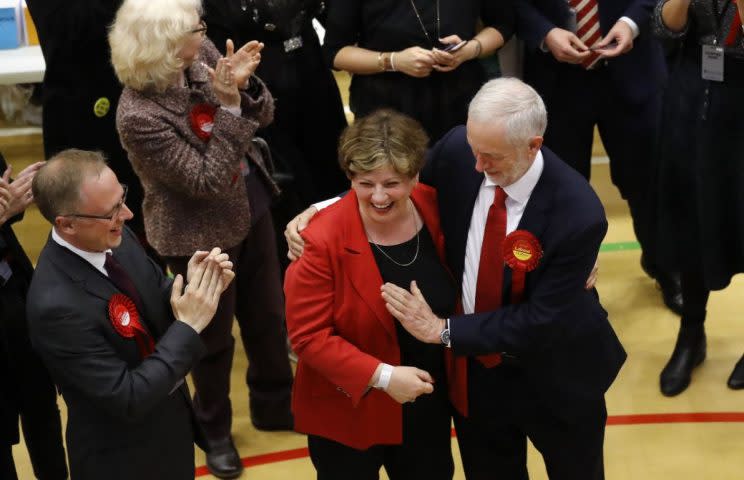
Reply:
x=669, y=284
x=689, y=352
x=223, y=460
x=736, y=380
x=282, y=423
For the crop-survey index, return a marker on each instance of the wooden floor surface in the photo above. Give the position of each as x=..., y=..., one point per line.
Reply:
x=697, y=435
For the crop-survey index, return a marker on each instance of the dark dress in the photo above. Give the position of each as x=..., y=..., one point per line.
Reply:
x=701, y=172
x=308, y=115
x=78, y=78
x=426, y=422
x=439, y=101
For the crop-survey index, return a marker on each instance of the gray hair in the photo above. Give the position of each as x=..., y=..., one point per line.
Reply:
x=56, y=186
x=145, y=39
x=514, y=103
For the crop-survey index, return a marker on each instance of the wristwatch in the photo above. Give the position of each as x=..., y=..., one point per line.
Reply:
x=444, y=337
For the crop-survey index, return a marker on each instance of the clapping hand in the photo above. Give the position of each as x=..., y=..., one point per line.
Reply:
x=245, y=61
x=221, y=258
x=19, y=195
x=224, y=84
x=196, y=304
x=4, y=196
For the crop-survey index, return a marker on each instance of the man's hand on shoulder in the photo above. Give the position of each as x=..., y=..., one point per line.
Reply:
x=295, y=243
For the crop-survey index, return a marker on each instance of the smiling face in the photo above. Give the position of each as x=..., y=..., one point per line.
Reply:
x=100, y=195
x=501, y=161
x=383, y=195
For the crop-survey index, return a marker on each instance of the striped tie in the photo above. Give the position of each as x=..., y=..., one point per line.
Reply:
x=587, y=27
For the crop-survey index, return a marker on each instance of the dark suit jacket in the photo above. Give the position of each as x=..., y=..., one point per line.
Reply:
x=636, y=75
x=22, y=270
x=560, y=334
x=341, y=330
x=124, y=420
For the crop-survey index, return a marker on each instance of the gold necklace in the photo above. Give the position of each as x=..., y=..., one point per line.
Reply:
x=418, y=243
x=421, y=22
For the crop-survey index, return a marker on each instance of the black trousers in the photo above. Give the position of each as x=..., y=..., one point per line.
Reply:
x=32, y=391
x=505, y=412
x=255, y=298
x=584, y=99
x=426, y=451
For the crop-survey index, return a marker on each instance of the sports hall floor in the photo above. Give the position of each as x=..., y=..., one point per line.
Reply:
x=697, y=435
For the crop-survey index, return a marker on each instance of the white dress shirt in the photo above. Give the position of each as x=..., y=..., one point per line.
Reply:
x=518, y=194
x=97, y=259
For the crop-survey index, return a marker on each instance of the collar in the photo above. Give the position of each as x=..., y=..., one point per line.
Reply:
x=177, y=99
x=521, y=190
x=97, y=259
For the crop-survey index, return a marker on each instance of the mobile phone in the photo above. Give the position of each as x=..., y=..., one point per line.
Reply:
x=609, y=46
x=453, y=47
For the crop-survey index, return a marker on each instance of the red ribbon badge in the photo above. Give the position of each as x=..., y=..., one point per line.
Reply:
x=522, y=252
x=202, y=120
x=125, y=320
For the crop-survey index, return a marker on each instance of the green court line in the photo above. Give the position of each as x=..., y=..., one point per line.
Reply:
x=619, y=246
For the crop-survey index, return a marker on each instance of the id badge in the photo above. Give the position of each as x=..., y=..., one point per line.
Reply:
x=712, y=63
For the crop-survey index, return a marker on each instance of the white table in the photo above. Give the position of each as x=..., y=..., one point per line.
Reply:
x=21, y=65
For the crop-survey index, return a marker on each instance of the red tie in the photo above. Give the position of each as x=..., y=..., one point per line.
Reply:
x=587, y=27
x=735, y=27
x=489, y=288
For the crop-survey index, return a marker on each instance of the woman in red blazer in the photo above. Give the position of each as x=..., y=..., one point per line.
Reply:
x=359, y=372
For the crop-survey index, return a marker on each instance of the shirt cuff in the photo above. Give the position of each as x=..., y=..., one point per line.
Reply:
x=633, y=26
x=237, y=111
x=325, y=203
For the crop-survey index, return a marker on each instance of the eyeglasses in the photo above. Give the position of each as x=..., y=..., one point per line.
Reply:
x=114, y=213
x=202, y=30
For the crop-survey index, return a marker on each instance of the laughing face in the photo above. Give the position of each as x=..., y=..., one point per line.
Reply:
x=383, y=195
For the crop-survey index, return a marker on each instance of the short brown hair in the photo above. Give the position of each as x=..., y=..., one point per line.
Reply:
x=56, y=186
x=384, y=137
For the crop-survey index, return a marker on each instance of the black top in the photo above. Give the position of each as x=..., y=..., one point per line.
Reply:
x=438, y=289
x=438, y=101
x=392, y=25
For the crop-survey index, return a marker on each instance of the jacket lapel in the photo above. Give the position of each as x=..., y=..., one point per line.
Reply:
x=463, y=214
x=94, y=282
x=535, y=216
x=360, y=265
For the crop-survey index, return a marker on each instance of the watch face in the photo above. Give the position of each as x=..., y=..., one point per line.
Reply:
x=445, y=336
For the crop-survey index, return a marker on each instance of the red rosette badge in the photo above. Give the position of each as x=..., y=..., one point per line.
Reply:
x=125, y=320
x=522, y=251
x=202, y=120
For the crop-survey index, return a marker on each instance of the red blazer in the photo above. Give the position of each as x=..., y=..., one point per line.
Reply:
x=340, y=329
